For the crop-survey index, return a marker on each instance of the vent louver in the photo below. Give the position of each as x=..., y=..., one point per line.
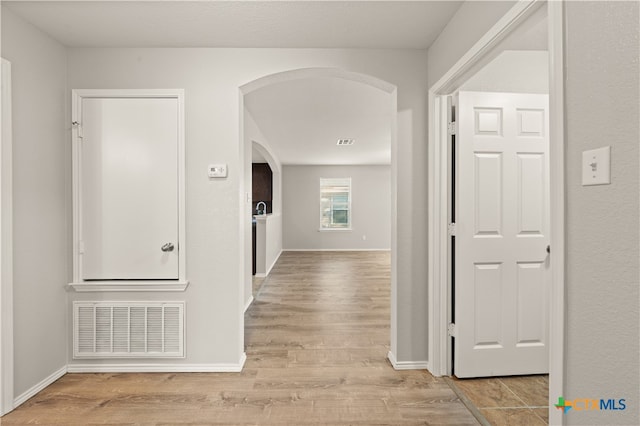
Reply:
x=342, y=142
x=128, y=330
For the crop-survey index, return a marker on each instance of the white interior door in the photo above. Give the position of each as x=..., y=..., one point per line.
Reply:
x=129, y=188
x=502, y=233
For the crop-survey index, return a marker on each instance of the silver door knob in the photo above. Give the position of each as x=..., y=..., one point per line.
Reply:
x=167, y=247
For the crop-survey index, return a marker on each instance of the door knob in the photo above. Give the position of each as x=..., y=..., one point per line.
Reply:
x=167, y=247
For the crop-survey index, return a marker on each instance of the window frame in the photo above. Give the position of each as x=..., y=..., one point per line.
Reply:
x=338, y=181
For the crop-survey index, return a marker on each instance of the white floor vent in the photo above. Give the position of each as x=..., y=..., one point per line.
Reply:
x=128, y=330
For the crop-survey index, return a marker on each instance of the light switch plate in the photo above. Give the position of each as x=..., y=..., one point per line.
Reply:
x=596, y=166
x=217, y=170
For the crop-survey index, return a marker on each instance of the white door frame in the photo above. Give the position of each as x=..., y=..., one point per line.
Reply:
x=6, y=248
x=79, y=284
x=245, y=155
x=439, y=297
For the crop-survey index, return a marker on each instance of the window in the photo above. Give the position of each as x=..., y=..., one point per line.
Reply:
x=335, y=203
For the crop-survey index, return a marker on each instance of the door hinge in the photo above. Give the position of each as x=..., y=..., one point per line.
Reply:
x=78, y=127
x=451, y=127
x=451, y=229
x=451, y=330
x=80, y=246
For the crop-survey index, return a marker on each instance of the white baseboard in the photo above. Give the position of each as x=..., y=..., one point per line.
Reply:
x=265, y=274
x=337, y=249
x=249, y=302
x=129, y=368
x=407, y=365
x=155, y=368
x=38, y=387
x=158, y=368
x=273, y=263
x=243, y=359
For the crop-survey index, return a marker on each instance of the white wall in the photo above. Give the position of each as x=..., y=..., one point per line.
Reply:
x=602, y=257
x=519, y=71
x=370, y=208
x=270, y=230
x=254, y=139
x=211, y=79
x=472, y=20
x=602, y=108
x=268, y=242
x=602, y=229
x=41, y=200
x=274, y=240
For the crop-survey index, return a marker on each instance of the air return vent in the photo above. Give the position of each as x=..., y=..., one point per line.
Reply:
x=345, y=141
x=128, y=330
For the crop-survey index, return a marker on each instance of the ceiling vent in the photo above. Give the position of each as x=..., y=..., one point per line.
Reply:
x=342, y=142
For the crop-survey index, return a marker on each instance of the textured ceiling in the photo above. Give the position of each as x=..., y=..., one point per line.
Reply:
x=302, y=121
x=292, y=24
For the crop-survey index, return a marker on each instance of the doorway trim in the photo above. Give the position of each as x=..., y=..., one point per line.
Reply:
x=438, y=279
x=79, y=284
x=245, y=162
x=6, y=249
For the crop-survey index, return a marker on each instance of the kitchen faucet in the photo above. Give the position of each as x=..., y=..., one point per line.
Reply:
x=264, y=208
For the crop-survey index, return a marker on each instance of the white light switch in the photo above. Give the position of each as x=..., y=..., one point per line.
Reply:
x=217, y=170
x=596, y=166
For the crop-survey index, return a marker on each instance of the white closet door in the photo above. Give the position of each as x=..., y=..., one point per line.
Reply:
x=129, y=188
x=502, y=232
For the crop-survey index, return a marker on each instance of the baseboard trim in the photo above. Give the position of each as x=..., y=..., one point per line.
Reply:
x=266, y=274
x=38, y=387
x=335, y=249
x=248, y=304
x=273, y=263
x=129, y=368
x=407, y=365
x=155, y=368
x=158, y=368
x=243, y=359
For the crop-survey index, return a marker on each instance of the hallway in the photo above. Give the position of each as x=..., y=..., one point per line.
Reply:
x=319, y=330
x=317, y=339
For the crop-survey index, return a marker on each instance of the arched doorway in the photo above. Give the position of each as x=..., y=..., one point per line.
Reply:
x=246, y=145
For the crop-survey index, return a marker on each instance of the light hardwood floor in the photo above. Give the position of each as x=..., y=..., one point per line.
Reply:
x=317, y=338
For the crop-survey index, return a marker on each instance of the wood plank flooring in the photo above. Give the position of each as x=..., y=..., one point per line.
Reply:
x=317, y=338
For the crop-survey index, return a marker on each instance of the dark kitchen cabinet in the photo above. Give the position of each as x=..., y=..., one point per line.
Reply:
x=262, y=182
